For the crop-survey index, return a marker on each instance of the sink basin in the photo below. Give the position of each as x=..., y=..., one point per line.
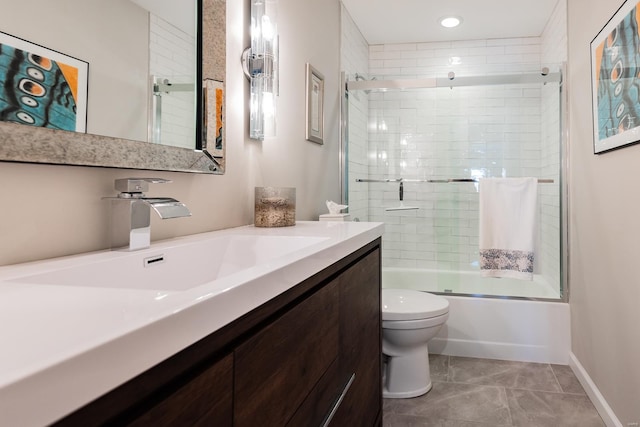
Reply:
x=175, y=267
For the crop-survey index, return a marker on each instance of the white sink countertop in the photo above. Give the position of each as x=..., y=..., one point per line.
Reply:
x=76, y=327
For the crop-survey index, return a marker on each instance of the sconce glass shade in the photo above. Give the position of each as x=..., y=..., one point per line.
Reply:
x=261, y=66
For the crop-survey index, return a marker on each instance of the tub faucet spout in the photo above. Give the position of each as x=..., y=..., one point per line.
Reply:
x=131, y=212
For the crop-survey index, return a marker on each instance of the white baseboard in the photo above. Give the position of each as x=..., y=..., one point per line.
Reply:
x=603, y=408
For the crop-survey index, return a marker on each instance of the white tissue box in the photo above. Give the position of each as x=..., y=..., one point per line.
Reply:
x=335, y=217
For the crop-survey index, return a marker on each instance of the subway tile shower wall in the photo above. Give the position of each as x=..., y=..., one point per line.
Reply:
x=173, y=56
x=510, y=130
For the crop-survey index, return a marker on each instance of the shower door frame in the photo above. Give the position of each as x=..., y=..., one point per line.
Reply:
x=364, y=85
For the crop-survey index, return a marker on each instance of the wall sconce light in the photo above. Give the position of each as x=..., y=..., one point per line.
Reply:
x=260, y=64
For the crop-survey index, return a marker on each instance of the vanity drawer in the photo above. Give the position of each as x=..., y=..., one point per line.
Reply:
x=203, y=401
x=318, y=404
x=278, y=367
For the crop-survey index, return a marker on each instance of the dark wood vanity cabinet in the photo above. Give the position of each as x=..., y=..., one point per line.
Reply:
x=360, y=342
x=309, y=357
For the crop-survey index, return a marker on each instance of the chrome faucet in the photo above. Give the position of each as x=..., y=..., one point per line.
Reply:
x=131, y=212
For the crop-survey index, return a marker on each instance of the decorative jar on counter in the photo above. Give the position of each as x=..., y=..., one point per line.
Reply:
x=275, y=207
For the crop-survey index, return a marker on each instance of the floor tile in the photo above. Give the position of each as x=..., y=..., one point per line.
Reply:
x=567, y=379
x=456, y=402
x=401, y=420
x=470, y=392
x=459, y=423
x=542, y=409
x=398, y=420
x=531, y=376
x=439, y=367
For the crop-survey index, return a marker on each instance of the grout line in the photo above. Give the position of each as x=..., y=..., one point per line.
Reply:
x=535, y=390
x=508, y=407
x=480, y=385
x=556, y=378
x=547, y=391
x=559, y=389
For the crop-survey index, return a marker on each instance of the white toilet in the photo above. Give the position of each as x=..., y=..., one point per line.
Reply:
x=409, y=320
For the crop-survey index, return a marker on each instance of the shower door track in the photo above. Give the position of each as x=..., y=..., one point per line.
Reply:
x=452, y=81
x=439, y=181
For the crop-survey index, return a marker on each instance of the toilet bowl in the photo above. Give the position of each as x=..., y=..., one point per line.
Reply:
x=409, y=320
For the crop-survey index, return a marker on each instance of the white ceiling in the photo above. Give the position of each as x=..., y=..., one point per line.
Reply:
x=407, y=21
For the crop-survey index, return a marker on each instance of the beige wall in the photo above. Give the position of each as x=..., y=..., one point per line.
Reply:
x=48, y=211
x=604, y=234
x=309, y=32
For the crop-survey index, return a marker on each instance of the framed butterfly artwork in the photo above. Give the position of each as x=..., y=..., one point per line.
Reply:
x=42, y=87
x=615, y=80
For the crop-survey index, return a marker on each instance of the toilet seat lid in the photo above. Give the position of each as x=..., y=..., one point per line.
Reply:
x=408, y=304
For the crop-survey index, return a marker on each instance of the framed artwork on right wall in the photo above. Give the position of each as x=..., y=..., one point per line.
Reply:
x=615, y=80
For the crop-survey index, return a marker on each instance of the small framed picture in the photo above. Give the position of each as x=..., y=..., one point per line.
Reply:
x=42, y=87
x=315, y=105
x=213, y=138
x=615, y=78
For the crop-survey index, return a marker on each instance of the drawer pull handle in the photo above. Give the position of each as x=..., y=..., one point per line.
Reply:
x=336, y=405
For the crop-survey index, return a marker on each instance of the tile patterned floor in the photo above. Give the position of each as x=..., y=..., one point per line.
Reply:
x=469, y=392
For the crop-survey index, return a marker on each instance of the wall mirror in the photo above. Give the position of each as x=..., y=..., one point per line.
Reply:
x=136, y=89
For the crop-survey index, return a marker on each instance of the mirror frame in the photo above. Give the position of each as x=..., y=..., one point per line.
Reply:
x=27, y=144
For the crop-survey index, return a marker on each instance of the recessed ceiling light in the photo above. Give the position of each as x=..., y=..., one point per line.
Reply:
x=450, y=21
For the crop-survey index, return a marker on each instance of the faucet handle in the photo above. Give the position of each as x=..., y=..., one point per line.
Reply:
x=137, y=185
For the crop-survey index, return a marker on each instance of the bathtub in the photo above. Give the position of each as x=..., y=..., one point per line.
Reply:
x=493, y=328
x=468, y=283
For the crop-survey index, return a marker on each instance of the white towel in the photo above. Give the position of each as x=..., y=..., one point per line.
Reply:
x=507, y=227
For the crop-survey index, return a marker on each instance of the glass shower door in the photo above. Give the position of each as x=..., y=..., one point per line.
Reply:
x=428, y=137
